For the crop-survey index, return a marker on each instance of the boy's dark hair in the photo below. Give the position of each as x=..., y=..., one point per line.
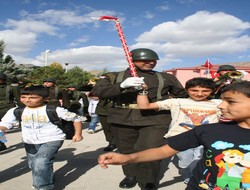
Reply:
x=201, y=82
x=242, y=87
x=36, y=90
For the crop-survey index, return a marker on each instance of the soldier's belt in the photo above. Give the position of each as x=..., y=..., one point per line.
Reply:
x=127, y=106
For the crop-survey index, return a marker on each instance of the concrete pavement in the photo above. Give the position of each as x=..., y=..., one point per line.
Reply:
x=75, y=166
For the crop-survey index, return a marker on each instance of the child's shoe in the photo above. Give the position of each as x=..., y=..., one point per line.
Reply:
x=186, y=180
x=90, y=131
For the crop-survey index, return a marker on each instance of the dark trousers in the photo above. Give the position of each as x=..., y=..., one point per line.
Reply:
x=130, y=139
x=106, y=128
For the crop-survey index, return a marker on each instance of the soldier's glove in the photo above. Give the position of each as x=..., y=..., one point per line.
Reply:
x=132, y=82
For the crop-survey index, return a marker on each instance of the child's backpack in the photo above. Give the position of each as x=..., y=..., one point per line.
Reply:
x=66, y=126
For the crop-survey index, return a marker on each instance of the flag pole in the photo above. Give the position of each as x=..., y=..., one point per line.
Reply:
x=123, y=41
x=208, y=67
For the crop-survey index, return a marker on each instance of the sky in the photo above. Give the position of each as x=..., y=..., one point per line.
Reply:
x=184, y=33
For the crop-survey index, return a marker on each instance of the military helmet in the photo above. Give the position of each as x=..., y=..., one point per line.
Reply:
x=3, y=76
x=142, y=54
x=226, y=68
x=50, y=80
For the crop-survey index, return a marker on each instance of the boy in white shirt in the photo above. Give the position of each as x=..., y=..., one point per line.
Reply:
x=186, y=114
x=42, y=139
x=93, y=101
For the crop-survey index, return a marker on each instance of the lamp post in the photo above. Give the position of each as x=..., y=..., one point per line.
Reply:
x=66, y=64
x=46, y=57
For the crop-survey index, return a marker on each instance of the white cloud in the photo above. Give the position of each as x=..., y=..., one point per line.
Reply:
x=78, y=41
x=24, y=26
x=88, y=58
x=148, y=15
x=18, y=43
x=163, y=7
x=200, y=34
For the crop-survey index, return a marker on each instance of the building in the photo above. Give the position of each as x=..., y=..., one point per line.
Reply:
x=184, y=74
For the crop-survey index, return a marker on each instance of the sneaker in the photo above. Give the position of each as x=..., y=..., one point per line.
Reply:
x=186, y=180
x=90, y=131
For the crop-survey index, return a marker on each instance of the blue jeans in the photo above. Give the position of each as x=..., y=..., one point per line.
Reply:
x=94, y=121
x=40, y=160
x=188, y=160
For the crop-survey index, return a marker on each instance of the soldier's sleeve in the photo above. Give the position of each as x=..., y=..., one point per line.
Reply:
x=15, y=96
x=176, y=89
x=106, y=87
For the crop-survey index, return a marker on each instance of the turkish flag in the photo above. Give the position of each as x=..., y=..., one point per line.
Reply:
x=214, y=74
x=208, y=65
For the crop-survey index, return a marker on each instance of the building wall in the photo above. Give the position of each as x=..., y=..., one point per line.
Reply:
x=183, y=74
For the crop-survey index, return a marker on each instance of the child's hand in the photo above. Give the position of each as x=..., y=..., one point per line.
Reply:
x=112, y=158
x=77, y=138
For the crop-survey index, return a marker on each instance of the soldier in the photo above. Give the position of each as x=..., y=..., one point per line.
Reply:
x=133, y=129
x=228, y=75
x=78, y=100
x=8, y=99
x=58, y=96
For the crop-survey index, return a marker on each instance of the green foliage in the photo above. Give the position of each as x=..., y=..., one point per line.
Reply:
x=8, y=66
x=56, y=65
x=2, y=46
x=76, y=76
x=37, y=75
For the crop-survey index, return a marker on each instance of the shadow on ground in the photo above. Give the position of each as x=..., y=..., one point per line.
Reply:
x=76, y=166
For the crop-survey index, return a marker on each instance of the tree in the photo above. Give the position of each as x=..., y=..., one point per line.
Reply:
x=9, y=67
x=55, y=70
x=76, y=76
x=2, y=46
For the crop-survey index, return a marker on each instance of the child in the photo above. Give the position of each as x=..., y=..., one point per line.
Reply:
x=41, y=138
x=188, y=113
x=225, y=162
x=94, y=117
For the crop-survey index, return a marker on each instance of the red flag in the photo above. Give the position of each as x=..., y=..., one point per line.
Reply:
x=214, y=74
x=208, y=64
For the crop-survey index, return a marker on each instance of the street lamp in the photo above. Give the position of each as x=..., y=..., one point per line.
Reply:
x=46, y=57
x=66, y=64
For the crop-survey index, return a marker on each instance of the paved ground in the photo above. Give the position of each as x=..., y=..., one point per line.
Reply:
x=75, y=166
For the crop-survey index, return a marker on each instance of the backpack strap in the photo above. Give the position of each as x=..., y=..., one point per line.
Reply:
x=160, y=86
x=52, y=115
x=56, y=92
x=77, y=97
x=113, y=79
x=120, y=76
x=7, y=94
x=18, y=113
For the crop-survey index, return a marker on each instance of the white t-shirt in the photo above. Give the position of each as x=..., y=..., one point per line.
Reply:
x=36, y=127
x=187, y=113
x=92, y=105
